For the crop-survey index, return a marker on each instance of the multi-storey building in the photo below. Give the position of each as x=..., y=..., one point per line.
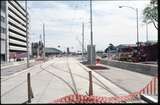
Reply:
x=13, y=30
x=3, y=31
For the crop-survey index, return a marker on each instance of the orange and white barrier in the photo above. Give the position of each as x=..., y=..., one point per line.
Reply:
x=151, y=88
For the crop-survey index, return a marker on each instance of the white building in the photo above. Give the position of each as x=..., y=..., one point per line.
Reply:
x=13, y=30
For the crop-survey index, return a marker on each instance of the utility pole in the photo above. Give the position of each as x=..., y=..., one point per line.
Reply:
x=44, y=42
x=146, y=31
x=38, y=47
x=27, y=35
x=40, y=38
x=82, y=41
x=91, y=32
x=137, y=28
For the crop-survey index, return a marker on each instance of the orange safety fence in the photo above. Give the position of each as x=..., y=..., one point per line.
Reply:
x=151, y=88
x=98, y=61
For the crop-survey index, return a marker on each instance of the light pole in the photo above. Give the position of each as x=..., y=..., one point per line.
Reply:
x=91, y=32
x=27, y=35
x=146, y=31
x=136, y=9
x=82, y=41
x=44, y=42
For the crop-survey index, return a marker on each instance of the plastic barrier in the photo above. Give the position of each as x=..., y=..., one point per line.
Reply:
x=98, y=61
x=150, y=88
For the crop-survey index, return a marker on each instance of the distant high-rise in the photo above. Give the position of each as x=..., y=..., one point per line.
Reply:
x=13, y=30
x=68, y=51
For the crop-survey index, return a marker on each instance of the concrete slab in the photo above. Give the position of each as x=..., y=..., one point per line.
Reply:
x=54, y=82
x=129, y=80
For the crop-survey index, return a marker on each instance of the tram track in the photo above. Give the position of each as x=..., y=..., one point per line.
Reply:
x=68, y=69
x=99, y=83
x=63, y=80
x=108, y=89
x=82, y=77
x=124, y=89
x=71, y=74
x=22, y=81
x=14, y=75
x=19, y=83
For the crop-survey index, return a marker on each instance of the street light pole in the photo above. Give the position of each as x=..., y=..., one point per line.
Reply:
x=91, y=32
x=44, y=42
x=27, y=35
x=136, y=9
x=137, y=28
x=146, y=31
x=82, y=41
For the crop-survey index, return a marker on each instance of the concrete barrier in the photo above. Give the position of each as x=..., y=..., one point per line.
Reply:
x=136, y=67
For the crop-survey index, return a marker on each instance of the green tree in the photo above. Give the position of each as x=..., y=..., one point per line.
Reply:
x=150, y=13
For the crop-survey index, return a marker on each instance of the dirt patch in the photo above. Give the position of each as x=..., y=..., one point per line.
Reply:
x=96, y=67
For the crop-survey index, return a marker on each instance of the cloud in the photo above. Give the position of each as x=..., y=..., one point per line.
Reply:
x=63, y=21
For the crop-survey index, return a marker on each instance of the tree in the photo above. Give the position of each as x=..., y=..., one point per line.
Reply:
x=150, y=13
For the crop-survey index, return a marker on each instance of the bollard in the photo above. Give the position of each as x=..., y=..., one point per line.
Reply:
x=29, y=89
x=154, y=85
x=151, y=88
x=90, y=84
x=30, y=93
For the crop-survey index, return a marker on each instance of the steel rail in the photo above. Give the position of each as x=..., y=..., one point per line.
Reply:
x=99, y=84
x=19, y=84
x=61, y=80
x=17, y=74
x=72, y=78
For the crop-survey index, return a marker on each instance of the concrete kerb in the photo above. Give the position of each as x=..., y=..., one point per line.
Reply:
x=15, y=74
x=117, y=90
x=14, y=64
x=136, y=67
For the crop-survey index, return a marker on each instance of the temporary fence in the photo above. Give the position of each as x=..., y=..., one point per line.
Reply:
x=98, y=61
x=151, y=89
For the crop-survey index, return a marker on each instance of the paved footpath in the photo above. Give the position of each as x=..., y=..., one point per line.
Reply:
x=14, y=67
x=53, y=79
x=129, y=80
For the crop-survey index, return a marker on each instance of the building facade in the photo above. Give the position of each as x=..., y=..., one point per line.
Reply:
x=3, y=30
x=13, y=30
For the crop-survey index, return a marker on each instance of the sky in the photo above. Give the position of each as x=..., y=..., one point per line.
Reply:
x=63, y=23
